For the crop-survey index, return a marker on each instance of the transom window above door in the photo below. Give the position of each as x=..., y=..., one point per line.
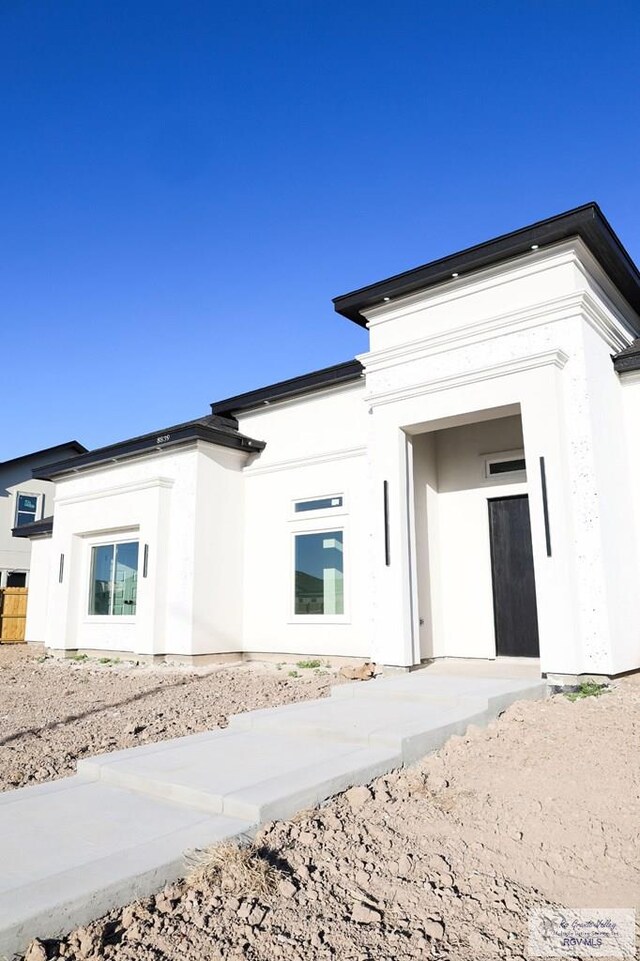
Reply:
x=505, y=465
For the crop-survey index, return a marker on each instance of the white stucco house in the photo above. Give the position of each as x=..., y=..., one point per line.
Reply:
x=467, y=488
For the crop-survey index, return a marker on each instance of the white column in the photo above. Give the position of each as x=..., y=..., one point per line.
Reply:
x=394, y=633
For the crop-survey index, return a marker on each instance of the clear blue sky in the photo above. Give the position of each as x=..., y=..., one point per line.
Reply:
x=185, y=185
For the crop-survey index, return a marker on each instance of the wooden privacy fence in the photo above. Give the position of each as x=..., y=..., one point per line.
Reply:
x=13, y=614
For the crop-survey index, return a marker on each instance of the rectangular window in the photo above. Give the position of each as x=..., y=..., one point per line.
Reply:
x=319, y=504
x=114, y=579
x=26, y=509
x=506, y=466
x=319, y=573
x=16, y=579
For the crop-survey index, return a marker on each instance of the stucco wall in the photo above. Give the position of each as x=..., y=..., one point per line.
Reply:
x=219, y=527
x=614, y=544
x=218, y=601
x=630, y=395
x=316, y=447
x=155, y=500
x=41, y=579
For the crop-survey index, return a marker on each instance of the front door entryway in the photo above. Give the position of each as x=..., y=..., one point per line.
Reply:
x=514, y=585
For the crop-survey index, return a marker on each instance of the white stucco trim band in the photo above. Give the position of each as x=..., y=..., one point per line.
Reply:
x=310, y=461
x=550, y=358
x=576, y=305
x=117, y=491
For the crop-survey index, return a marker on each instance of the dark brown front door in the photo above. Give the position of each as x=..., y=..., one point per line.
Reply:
x=514, y=584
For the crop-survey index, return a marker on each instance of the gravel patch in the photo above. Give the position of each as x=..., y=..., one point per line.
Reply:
x=440, y=860
x=53, y=712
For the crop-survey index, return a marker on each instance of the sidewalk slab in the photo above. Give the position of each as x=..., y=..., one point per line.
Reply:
x=73, y=849
x=246, y=774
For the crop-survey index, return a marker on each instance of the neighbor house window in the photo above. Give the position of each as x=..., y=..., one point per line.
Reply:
x=17, y=579
x=26, y=509
x=114, y=578
x=318, y=504
x=319, y=573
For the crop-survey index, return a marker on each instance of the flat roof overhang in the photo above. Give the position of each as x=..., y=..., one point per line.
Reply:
x=334, y=376
x=587, y=222
x=158, y=441
x=41, y=528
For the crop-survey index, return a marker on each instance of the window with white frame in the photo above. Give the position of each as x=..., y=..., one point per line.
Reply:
x=26, y=509
x=317, y=504
x=319, y=573
x=113, y=586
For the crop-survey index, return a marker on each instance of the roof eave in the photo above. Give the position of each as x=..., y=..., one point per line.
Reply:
x=41, y=528
x=626, y=364
x=148, y=443
x=73, y=444
x=322, y=379
x=587, y=222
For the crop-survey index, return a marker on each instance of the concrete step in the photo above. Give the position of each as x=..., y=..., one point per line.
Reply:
x=412, y=714
x=74, y=849
x=409, y=728
x=498, y=693
x=254, y=775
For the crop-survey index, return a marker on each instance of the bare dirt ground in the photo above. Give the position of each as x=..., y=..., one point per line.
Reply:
x=441, y=860
x=53, y=712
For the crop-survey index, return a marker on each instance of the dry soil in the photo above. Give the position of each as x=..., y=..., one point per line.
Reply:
x=53, y=712
x=444, y=859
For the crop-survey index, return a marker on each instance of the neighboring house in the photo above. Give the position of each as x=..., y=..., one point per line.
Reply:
x=25, y=501
x=468, y=487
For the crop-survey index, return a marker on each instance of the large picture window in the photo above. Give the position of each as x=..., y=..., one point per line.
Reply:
x=319, y=573
x=114, y=579
x=26, y=509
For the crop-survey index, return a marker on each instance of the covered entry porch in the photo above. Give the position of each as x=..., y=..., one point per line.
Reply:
x=470, y=537
x=473, y=550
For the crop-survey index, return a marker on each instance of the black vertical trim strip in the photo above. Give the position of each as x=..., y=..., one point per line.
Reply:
x=387, y=546
x=61, y=569
x=145, y=562
x=545, y=506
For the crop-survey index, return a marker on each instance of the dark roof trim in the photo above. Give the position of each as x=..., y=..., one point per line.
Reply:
x=42, y=528
x=295, y=386
x=628, y=359
x=587, y=222
x=72, y=444
x=210, y=429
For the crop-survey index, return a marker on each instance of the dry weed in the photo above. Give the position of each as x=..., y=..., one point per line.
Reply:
x=238, y=870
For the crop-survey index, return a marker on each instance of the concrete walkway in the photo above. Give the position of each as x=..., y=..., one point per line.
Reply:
x=73, y=849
